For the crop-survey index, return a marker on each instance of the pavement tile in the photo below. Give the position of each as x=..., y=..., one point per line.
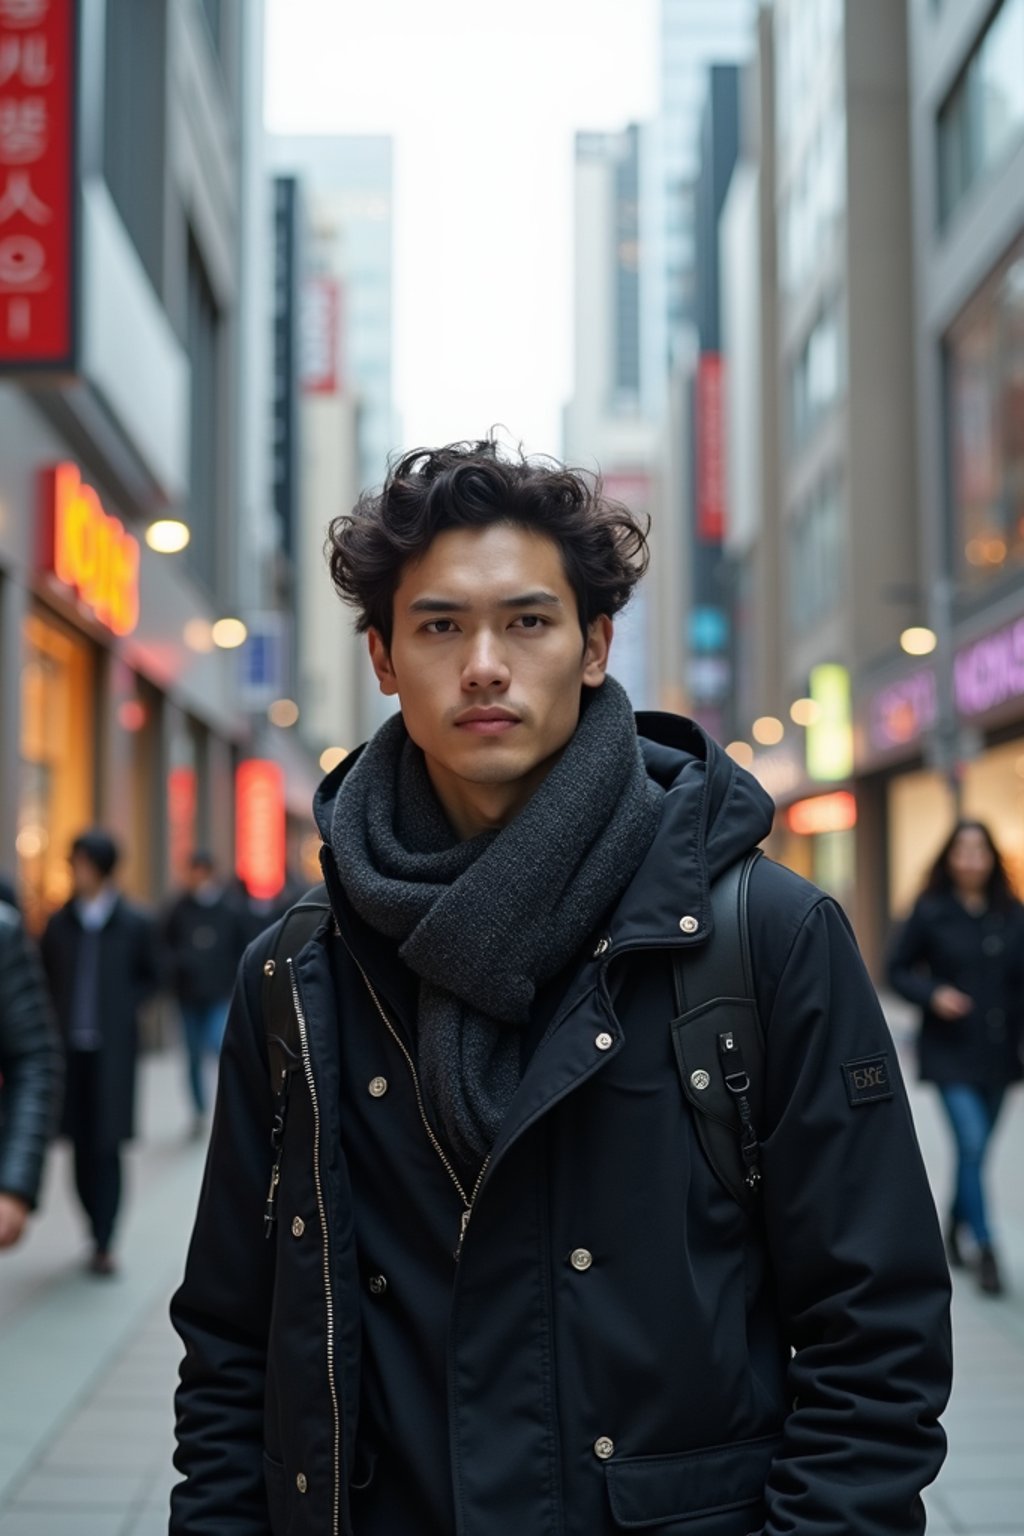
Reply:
x=149, y=1522
x=52, y=1487
x=993, y=1507
x=63, y=1522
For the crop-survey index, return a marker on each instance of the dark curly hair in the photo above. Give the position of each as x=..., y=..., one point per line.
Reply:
x=470, y=485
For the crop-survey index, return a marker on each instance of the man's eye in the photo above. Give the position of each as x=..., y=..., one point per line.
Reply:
x=531, y=621
x=439, y=627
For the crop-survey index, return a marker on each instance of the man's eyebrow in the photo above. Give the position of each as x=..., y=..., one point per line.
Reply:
x=538, y=599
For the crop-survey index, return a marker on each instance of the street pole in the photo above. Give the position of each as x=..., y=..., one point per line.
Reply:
x=947, y=724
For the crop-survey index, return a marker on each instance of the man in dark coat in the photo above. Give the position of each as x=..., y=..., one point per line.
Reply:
x=504, y=1291
x=204, y=933
x=31, y=1075
x=101, y=960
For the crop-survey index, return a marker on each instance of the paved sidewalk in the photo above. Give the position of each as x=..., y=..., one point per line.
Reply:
x=87, y=1368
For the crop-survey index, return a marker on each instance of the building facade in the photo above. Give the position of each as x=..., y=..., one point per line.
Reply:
x=127, y=133
x=835, y=430
x=945, y=733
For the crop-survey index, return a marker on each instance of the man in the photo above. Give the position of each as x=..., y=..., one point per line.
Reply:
x=31, y=1074
x=204, y=936
x=100, y=958
x=506, y=1293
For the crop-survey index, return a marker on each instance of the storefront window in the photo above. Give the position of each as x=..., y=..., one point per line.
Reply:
x=986, y=353
x=920, y=816
x=57, y=760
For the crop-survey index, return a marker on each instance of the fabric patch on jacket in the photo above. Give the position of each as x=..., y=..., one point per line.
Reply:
x=867, y=1079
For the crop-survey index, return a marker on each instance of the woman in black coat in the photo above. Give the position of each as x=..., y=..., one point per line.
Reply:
x=960, y=956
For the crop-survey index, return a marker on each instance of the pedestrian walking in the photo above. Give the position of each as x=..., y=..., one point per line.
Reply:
x=31, y=1075
x=100, y=956
x=960, y=957
x=204, y=934
x=498, y=1232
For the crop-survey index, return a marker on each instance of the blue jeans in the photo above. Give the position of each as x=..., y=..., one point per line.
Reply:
x=204, y=1025
x=972, y=1115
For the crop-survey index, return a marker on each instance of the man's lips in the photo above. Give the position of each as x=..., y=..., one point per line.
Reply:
x=487, y=722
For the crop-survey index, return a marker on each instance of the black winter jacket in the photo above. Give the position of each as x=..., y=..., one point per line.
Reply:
x=31, y=1065
x=620, y=1346
x=205, y=942
x=981, y=954
x=129, y=973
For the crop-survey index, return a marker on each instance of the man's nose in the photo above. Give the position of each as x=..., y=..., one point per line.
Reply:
x=486, y=666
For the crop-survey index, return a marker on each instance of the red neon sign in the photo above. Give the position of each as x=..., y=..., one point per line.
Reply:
x=260, y=827
x=823, y=813
x=89, y=551
x=181, y=820
x=37, y=182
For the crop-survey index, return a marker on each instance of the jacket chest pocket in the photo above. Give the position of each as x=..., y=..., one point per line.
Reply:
x=713, y=1492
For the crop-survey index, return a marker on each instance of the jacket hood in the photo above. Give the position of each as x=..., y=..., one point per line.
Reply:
x=714, y=814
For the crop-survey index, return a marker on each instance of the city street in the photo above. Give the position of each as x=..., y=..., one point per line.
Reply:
x=88, y=1367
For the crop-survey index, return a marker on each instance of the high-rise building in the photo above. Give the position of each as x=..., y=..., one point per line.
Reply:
x=349, y=179
x=605, y=423
x=694, y=35
x=334, y=415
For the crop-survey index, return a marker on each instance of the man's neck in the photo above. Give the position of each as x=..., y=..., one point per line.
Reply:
x=475, y=808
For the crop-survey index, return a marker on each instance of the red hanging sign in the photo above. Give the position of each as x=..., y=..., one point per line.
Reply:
x=260, y=827
x=37, y=183
x=711, y=471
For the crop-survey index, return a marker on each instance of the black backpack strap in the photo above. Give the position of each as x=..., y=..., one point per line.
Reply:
x=718, y=1037
x=280, y=1022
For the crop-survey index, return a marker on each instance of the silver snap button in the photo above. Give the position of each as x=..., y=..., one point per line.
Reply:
x=298, y=1226
x=689, y=924
x=378, y=1285
x=581, y=1259
x=378, y=1087
x=603, y=1447
x=700, y=1079
x=604, y=1041
x=269, y=968
x=602, y=947
x=301, y=1482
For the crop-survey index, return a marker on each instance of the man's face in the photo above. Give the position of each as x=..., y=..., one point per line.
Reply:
x=86, y=879
x=487, y=657
x=198, y=876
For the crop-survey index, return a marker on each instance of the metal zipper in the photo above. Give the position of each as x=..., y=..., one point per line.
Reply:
x=322, y=1209
x=467, y=1201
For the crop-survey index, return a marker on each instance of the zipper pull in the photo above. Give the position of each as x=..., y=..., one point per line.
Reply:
x=269, y=1210
x=463, y=1224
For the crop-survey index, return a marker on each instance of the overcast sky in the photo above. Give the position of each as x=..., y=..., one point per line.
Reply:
x=483, y=100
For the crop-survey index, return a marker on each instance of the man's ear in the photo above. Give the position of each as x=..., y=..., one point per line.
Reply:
x=380, y=659
x=595, y=652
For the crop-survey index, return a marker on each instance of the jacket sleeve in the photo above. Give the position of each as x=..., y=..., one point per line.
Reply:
x=909, y=950
x=222, y=1309
x=31, y=1063
x=855, y=1247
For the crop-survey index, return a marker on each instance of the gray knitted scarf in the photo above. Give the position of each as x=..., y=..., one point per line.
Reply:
x=485, y=922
